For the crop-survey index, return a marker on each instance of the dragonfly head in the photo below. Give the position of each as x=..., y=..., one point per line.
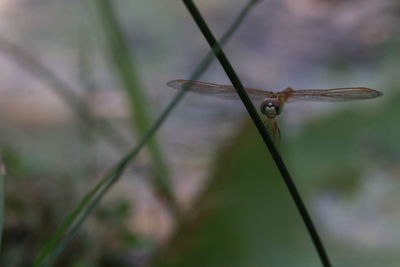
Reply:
x=271, y=107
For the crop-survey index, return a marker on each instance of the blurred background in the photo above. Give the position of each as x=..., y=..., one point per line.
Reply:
x=74, y=99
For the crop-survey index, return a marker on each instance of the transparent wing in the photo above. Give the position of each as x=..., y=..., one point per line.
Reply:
x=221, y=91
x=332, y=95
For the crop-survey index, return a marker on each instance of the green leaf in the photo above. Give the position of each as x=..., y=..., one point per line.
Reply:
x=245, y=216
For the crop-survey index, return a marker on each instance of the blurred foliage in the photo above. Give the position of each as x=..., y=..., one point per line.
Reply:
x=245, y=217
x=35, y=208
x=336, y=155
x=347, y=140
x=237, y=221
x=125, y=68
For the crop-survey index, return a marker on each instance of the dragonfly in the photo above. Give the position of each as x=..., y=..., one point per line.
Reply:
x=272, y=103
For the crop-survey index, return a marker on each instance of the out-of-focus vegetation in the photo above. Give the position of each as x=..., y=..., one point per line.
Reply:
x=343, y=157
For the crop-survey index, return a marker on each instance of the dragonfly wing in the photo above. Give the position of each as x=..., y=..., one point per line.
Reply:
x=332, y=95
x=217, y=90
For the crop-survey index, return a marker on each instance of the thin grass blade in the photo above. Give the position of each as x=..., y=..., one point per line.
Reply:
x=72, y=223
x=226, y=65
x=126, y=70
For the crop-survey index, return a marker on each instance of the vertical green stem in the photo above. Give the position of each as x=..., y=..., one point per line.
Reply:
x=128, y=74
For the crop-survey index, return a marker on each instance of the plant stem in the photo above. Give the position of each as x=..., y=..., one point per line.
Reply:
x=261, y=129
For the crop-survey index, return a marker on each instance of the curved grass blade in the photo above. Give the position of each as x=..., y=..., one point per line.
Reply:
x=76, y=218
x=55, y=239
x=126, y=70
x=71, y=224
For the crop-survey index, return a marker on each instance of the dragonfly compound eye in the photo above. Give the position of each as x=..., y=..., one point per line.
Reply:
x=270, y=107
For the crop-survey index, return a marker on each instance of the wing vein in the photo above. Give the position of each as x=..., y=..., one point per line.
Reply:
x=218, y=90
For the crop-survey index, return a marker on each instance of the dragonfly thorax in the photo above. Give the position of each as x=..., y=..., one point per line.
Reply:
x=271, y=107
